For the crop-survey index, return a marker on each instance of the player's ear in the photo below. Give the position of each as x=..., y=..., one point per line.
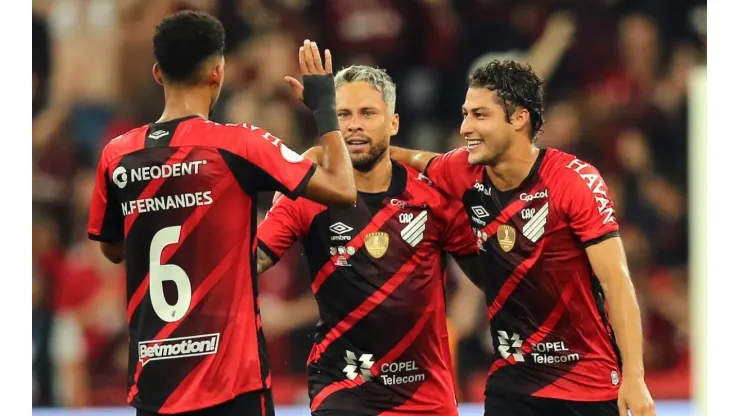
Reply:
x=394, y=125
x=520, y=119
x=157, y=74
x=217, y=73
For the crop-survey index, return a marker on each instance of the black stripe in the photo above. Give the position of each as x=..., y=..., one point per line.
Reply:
x=429, y=164
x=370, y=335
x=603, y=238
x=251, y=177
x=376, y=200
x=363, y=272
x=154, y=388
x=530, y=376
x=598, y=293
x=111, y=228
x=445, y=261
x=261, y=341
x=103, y=239
x=301, y=188
x=265, y=249
x=161, y=134
x=144, y=324
x=145, y=226
x=198, y=264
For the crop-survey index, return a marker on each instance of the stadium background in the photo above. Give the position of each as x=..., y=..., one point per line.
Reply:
x=617, y=85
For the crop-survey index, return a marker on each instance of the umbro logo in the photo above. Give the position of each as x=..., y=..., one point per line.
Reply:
x=340, y=228
x=156, y=135
x=479, y=211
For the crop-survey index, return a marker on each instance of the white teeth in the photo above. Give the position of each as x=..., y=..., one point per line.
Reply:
x=473, y=143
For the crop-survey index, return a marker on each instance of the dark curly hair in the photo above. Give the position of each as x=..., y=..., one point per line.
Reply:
x=517, y=86
x=183, y=41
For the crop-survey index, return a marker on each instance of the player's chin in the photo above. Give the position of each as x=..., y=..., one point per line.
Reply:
x=477, y=155
x=359, y=158
x=362, y=161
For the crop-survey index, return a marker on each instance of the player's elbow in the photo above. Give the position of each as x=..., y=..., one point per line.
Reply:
x=113, y=252
x=332, y=190
x=347, y=197
x=114, y=258
x=344, y=191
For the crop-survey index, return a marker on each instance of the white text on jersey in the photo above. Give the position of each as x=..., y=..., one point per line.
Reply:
x=122, y=177
x=162, y=203
x=597, y=187
x=164, y=349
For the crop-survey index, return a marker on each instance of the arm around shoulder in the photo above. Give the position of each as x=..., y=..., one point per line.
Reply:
x=417, y=159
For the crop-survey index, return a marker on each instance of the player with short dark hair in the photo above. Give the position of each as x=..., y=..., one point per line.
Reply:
x=177, y=200
x=551, y=258
x=184, y=42
x=377, y=269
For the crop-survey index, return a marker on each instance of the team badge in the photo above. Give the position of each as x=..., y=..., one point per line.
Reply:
x=377, y=244
x=506, y=235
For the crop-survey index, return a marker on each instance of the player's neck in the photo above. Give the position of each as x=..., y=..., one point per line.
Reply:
x=377, y=179
x=513, y=167
x=181, y=102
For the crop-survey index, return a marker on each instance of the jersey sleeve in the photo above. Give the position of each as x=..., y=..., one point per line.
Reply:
x=105, y=220
x=444, y=170
x=282, y=169
x=585, y=200
x=283, y=225
x=458, y=238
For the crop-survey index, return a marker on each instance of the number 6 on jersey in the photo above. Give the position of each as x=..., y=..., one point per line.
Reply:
x=160, y=273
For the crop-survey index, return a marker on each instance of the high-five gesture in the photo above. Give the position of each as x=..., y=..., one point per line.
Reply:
x=309, y=60
x=334, y=179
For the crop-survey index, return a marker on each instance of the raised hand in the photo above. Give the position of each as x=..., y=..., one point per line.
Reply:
x=309, y=60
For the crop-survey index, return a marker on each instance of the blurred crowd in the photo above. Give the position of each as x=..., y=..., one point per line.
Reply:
x=616, y=73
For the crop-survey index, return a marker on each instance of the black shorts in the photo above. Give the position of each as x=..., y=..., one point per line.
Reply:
x=257, y=403
x=521, y=405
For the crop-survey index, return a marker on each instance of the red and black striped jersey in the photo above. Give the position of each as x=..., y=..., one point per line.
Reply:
x=377, y=274
x=181, y=196
x=546, y=308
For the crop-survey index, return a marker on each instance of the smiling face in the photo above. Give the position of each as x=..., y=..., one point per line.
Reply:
x=366, y=121
x=485, y=126
x=503, y=107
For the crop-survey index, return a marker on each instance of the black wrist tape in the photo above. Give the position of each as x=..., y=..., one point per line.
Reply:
x=319, y=92
x=319, y=95
x=326, y=120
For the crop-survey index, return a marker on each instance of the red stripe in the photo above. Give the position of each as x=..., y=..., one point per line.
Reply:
x=434, y=401
x=390, y=357
x=365, y=307
x=508, y=212
x=513, y=280
x=153, y=186
x=377, y=221
x=263, y=404
x=542, y=331
x=198, y=295
x=187, y=227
